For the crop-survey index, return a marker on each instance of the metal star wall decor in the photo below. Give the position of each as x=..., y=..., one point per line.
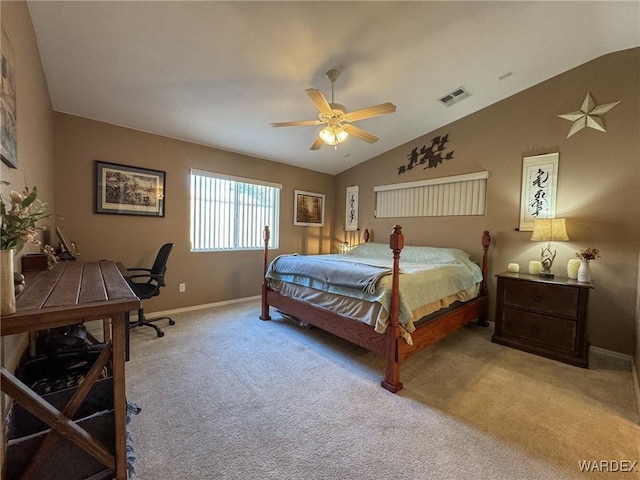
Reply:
x=588, y=115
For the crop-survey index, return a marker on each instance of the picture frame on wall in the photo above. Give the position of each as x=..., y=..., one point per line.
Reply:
x=308, y=209
x=128, y=190
x=539, y=187
x=351, y=213
x=8, y=105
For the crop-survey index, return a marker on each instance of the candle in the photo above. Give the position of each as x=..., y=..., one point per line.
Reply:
x=535, y=267
x=514, y=267
x=572, y=268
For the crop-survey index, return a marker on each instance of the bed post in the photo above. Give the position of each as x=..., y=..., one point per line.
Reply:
x=265, y=306
x=484, y=288
x=392, y=375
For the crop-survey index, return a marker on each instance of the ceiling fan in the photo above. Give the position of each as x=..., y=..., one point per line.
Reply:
x=337, y=118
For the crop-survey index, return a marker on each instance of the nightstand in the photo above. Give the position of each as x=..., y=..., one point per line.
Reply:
x=547, y=317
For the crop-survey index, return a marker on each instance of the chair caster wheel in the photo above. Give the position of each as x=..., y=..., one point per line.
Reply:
x=172, y=322
x=161, y=334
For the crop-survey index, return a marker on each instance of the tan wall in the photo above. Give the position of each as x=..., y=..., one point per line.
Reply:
x=598, y=185
x=209, y=277
x=34, y=131
x=35, y=146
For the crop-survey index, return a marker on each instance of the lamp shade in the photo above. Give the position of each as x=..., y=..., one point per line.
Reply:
x=549, y=230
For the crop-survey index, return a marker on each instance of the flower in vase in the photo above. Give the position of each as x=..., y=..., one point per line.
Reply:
x=588, y=253
x=20, y=217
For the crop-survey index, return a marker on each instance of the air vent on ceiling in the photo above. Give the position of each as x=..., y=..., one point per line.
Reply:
x=458, y=94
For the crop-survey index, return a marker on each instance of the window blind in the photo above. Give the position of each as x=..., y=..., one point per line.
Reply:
x=230, y=213
x=446, y=196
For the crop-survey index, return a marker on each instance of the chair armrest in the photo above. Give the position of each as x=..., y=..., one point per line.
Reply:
x=150, y=276
x=139, y=268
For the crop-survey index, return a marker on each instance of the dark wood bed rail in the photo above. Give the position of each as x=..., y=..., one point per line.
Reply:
x=390, y=345
x=266, y=236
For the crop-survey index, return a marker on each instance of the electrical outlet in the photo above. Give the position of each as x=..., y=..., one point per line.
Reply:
x=182, y=287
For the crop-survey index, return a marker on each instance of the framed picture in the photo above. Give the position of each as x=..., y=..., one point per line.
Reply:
x=351, y=214
x=127, y=190
x=9, y=144
x=539, y=184
x=309, y=209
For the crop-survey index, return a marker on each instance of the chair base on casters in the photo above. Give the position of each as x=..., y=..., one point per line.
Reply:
x=148, y=323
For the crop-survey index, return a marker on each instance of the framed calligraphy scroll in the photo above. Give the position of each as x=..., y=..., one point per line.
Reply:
x=351, y=214
x=539, y=183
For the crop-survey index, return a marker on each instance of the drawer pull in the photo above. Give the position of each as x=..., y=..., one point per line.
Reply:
x=537, y=298
x=535, y=330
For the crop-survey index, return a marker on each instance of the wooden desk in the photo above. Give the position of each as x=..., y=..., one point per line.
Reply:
x=70, y=293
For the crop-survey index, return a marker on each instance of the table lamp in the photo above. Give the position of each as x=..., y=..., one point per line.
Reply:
x=548, y=230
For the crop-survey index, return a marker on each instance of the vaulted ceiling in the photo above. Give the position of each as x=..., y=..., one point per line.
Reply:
x=217, y=73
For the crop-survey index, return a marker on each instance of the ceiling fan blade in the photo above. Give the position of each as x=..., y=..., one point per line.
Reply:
x=317, y=143
x=370, y=112
x=359, y=133
x=296, y=124
x=320, y=101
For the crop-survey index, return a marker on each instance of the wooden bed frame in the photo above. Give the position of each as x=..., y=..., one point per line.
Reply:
x=390, y=344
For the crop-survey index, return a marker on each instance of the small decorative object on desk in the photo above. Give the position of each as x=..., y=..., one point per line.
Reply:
x=20, y=215
x=586, y=255
x=513, y=267
x=50, y=252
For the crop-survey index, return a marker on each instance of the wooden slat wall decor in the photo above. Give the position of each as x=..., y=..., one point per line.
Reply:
x=446, y=196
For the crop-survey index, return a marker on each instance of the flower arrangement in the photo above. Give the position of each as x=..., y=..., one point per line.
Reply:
x=588, y=253
x=20, y=217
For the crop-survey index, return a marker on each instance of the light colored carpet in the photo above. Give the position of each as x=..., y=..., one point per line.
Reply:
x=225, y=395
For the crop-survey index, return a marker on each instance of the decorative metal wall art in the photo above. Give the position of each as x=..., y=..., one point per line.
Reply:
x=430, y=156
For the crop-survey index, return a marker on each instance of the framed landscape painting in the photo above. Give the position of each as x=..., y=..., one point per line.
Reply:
x=127, y=190
x=308, y=209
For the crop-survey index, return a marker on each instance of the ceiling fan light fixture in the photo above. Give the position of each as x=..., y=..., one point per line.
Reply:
x=333, y=135
x=337, y=119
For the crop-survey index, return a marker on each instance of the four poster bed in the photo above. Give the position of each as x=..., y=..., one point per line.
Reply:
x=368, y=297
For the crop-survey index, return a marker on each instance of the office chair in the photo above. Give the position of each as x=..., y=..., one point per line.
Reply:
x=148, y=284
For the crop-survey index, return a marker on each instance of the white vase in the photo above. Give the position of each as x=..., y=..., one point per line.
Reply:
x=7, y=287
x=584, y=272
x=572, y=268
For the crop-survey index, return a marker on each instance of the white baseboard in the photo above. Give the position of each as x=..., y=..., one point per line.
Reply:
x=634, y=372
x=167, y=313
x=612, y=354
x=95, y=327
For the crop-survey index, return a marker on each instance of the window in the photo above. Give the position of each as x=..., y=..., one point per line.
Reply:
x=230, y=213
x=455, y=195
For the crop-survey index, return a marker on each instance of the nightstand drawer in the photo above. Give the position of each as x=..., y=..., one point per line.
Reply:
x=555, y=299
x=553, y=332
